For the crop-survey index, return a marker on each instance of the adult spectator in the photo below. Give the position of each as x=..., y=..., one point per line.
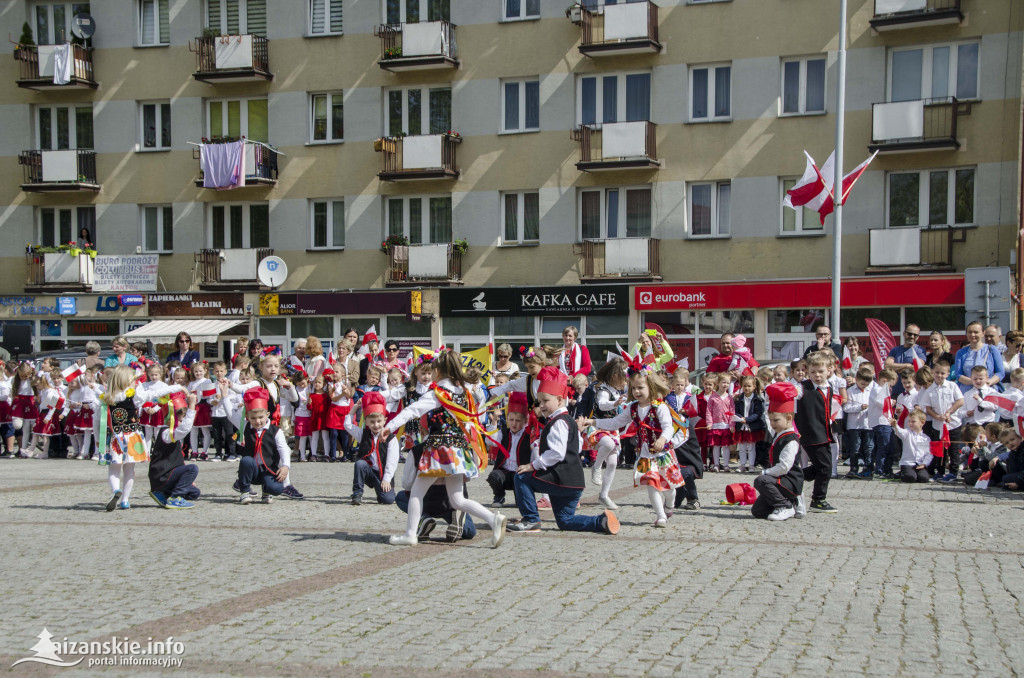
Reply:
x=939, y=347
x=315, y=360
x=856, y=360
x=574, y=358
x=351, y=337
x=92, y=354
x=902, y=357
x=655, y=343
x=977, y=352
x=994, y=337
x=503, y=364
x=185, y=354
x=391, y=360
x=372, y=345
x=121, y=355
x=1011, y=356
x=346, y=362
x=722, y=361
x=256, y=353
x=823, y=341
x=299, y=353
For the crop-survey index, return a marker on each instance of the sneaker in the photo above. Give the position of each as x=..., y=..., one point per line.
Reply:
x=608, y=503
x=523, y=526
x=159, y=497
x=498, y=535
x=245, y=498
x=178, y=503
x=800, y=508
x=661, y=522
x=112, y=502
x=291, y=493
x=726, y=469
x=124, y=505
x=609, y=523
x=498, y=503
x=852, y=475
x=426, y=526
x=691, y=506
x=823, y=506
x=597, y=475
x=948, y=478
x=866, y=475
x=403, y=540
x=454, y=531
x=237, y=487
x=232, y=458
x=81, y=456
x=356, y=499
x=204, y=457
x=267, y=498
x=782, y=513
x=544, y=503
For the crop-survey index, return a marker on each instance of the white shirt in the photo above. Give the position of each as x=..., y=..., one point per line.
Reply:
x=675, y=438
x=558, y=441
x=391, y=454
x=427, y=402
x=856, y=399
x=907, y=400
x=511, y=463
x=787, y=455
x=940, y=399
x=838, y=385
x=877, y=415
x=916, y=447
x=393, y=398
x=302, y=404
x=975, y=410
x=235, y=415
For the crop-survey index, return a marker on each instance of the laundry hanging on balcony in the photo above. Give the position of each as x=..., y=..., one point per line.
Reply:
x=223, y=165
x=63, y=64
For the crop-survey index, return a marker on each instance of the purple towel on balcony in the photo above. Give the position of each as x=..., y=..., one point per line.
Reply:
x=221, y=164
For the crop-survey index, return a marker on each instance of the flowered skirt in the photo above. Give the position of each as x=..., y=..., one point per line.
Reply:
x=5, y=413
x=126, y=448
x=661, y=472
x=594, y=435
x=46, y=428
x=83, y=422
x=442, y=461
x=24, y=407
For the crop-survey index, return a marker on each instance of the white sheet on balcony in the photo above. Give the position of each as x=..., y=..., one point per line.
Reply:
x=63, y=64
x=895, y=246
x=223, y=165
x=421, y=152
x=45, y=53
x=60, y=165
x=165, y=331
x=238, y=265
x=622, y=22
x=623, y=139
x=423, y=39
x=898, y=120
x=890, y=6
x=59, y=267
x=626, y=255
x=428, y=261
x=233, y=51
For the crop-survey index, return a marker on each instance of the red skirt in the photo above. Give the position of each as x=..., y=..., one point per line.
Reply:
x=303, y=427
x=336, y=416
x=71, y=421
x=43, y=427
x=5, y=412
x=719, y=437
x=748, y=437
x=157, y=419
x=83, y=422
x=24, y=407
x=203, y=417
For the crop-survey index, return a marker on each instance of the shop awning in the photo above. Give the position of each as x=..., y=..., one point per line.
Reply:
x=165, y=331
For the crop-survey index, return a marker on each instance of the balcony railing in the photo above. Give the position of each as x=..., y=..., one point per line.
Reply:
x=421, y=46
x=37, y=67
x=891, y=15
x=232, y=268
x=430, y=156
x=919, y=125
x=900, y=250
x=71, y=170
x=232, y=58
x=59, y=272
x=617, y=145
x=630, y=28
x=436, y=265
x=261, y=166
x=637, y=259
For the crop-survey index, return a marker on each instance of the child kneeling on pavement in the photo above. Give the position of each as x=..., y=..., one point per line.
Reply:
x=376, y=459
x=171, y=480
x=264, y=450
x=780, y=486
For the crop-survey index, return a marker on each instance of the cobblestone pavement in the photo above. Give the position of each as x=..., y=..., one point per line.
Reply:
x=903, y=581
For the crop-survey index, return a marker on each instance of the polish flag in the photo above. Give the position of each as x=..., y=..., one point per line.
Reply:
x=887, y=409
x=296, y=364
x=73, y=372
x=1002, y=402
x=918, y=363
x=814, y=187
x=676, y=364
x=847, y=358
x=371, y=335
x=848, y=181
x=939, y=447
x=208, y=393
x=689, y=406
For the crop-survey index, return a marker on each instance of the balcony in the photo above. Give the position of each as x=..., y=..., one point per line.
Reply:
x=57, y=272
x=894, y=15
x=59, y=171
x=617, y=146
x=233, y=269
x=37, y=66
x=914, y=126
x=430, y=156
x=611, y=30
x=423, y=46
x=913, y=250
x=634, y=259
x=424, y=265
x=232, y=58
x=260, y=166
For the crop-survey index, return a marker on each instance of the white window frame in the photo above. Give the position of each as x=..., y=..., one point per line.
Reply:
x=243, y=16
x=52, y=38
x=520, y=218
x=140, y=6
x=161, y=226
x=523, y=16
x=330, y=104
x=424, y=107
x=712, y=103
x=243, y=114
x=424, y=212
x=72, y=125
x=331, y=204
x=927, y=64
x=800, y=214
x=716, y=231
x=522, y=105
x=158, y=114
x=327, y=32
x=620, y=98
x=424, y=11
x=621, y=212
x=246, y=223
x=802, y=86
x=924, y=195
x=57, y=209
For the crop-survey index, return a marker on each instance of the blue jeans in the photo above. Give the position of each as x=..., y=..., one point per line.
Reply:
x=563, y=504
x=344, y=437
x=860, y=443
x=251, y=472
x=436, y=507
x=883, y=440
x=364, y=475
x=181, y=483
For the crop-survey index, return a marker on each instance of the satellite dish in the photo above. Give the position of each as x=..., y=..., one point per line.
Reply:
x=272, y=271
x=83, y=25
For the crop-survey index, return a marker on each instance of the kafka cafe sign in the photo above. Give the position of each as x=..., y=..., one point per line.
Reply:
x=488, y=301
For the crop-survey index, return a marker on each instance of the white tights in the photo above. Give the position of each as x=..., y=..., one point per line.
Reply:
x=303, y=441
x=659, y=500
x=193, y=438
x=44, y=450
x=320, y=439
x=746, y=451
x=150, y=430
x=720, y=455
x=26, y=433
x=835, y=458
x=456, y=498
x=114, y=476
x=607, y=450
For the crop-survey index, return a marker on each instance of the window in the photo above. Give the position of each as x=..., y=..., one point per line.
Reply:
x=327, y=117
x=800, y=220
x=414, y=11
x=803, y=86
x=615, y=213
x=407, y=113
x=239, y=226
x=710, y=93
x=934, y=72
x=521, y=9
x=157, y=229
x=326, y=224
x=520, y=105
x=238, y=118
x=53, y=21
x=64, y=127
x=423, y=220
x=58, y=226
x=154, y=23
x=155, y=119
x=325, y=17
x=625, y=97
x=709, y=209
x=520, y=218
x=931, y=197
x=237, y=17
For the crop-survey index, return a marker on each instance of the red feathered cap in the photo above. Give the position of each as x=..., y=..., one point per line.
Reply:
x=178, y=401
x=256, y=399
x=553, y=382
x=781, y=397
x=373, y=403
x=517, y=403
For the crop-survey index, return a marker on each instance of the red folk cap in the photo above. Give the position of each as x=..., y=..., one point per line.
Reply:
x=178, y=400
x=553, y=382
x=781, y=397
x=373, y=403
x=256, y=399
x=517, y=403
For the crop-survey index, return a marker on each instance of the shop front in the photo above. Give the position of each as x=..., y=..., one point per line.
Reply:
x=214, y=321
x=57, y=322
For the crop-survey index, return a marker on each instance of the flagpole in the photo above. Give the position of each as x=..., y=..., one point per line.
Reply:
x=837, y=186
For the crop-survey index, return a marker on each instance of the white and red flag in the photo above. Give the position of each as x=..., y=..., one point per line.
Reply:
x=847, y=358
x=73, y=372
x=814, y=189
x=296, y=364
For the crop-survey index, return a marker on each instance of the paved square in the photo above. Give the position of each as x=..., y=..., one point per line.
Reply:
x=903, y=581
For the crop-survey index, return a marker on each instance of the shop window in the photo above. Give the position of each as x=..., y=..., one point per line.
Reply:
x=673, y=322
x=461, y=327
x=598, y=325
x=851, y=320
x=274, y=327
x=322, y=328
x=399, y=326
x=796, y=321
x=719, y=322
x=512, y=326
x=553, y=326
x=942, y=318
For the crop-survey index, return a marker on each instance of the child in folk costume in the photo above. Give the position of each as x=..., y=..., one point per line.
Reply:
x=514, y=450
x=171, y=480
x=448, y=452
x=266, y=459
x=23, y=408
x=204, y=390
x=814, y=422
x=319, y=402
x=608, y=403
x=119, y=410
x=376, y=454
x=153, y=413
x=6, y=425
x=340, y=392
x=394, y=394
x=749, y=421
x=301, y=419
x=780, y=486
x=78, y=424
x=418, y=384
x=278, y=389
x=721, y=409
x=48, y=415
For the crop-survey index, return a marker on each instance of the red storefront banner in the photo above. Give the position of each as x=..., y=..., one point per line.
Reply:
x=857, y=292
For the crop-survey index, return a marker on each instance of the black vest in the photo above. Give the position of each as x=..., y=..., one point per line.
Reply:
x=569, y=471
x=531, y=399
x=791, y=482
x=270, y=457
x=688, y=454
x=597, y=412
x=365, y=451
x=271, y=401
x=522, y=452
x=813, y=415
x=163, y=458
